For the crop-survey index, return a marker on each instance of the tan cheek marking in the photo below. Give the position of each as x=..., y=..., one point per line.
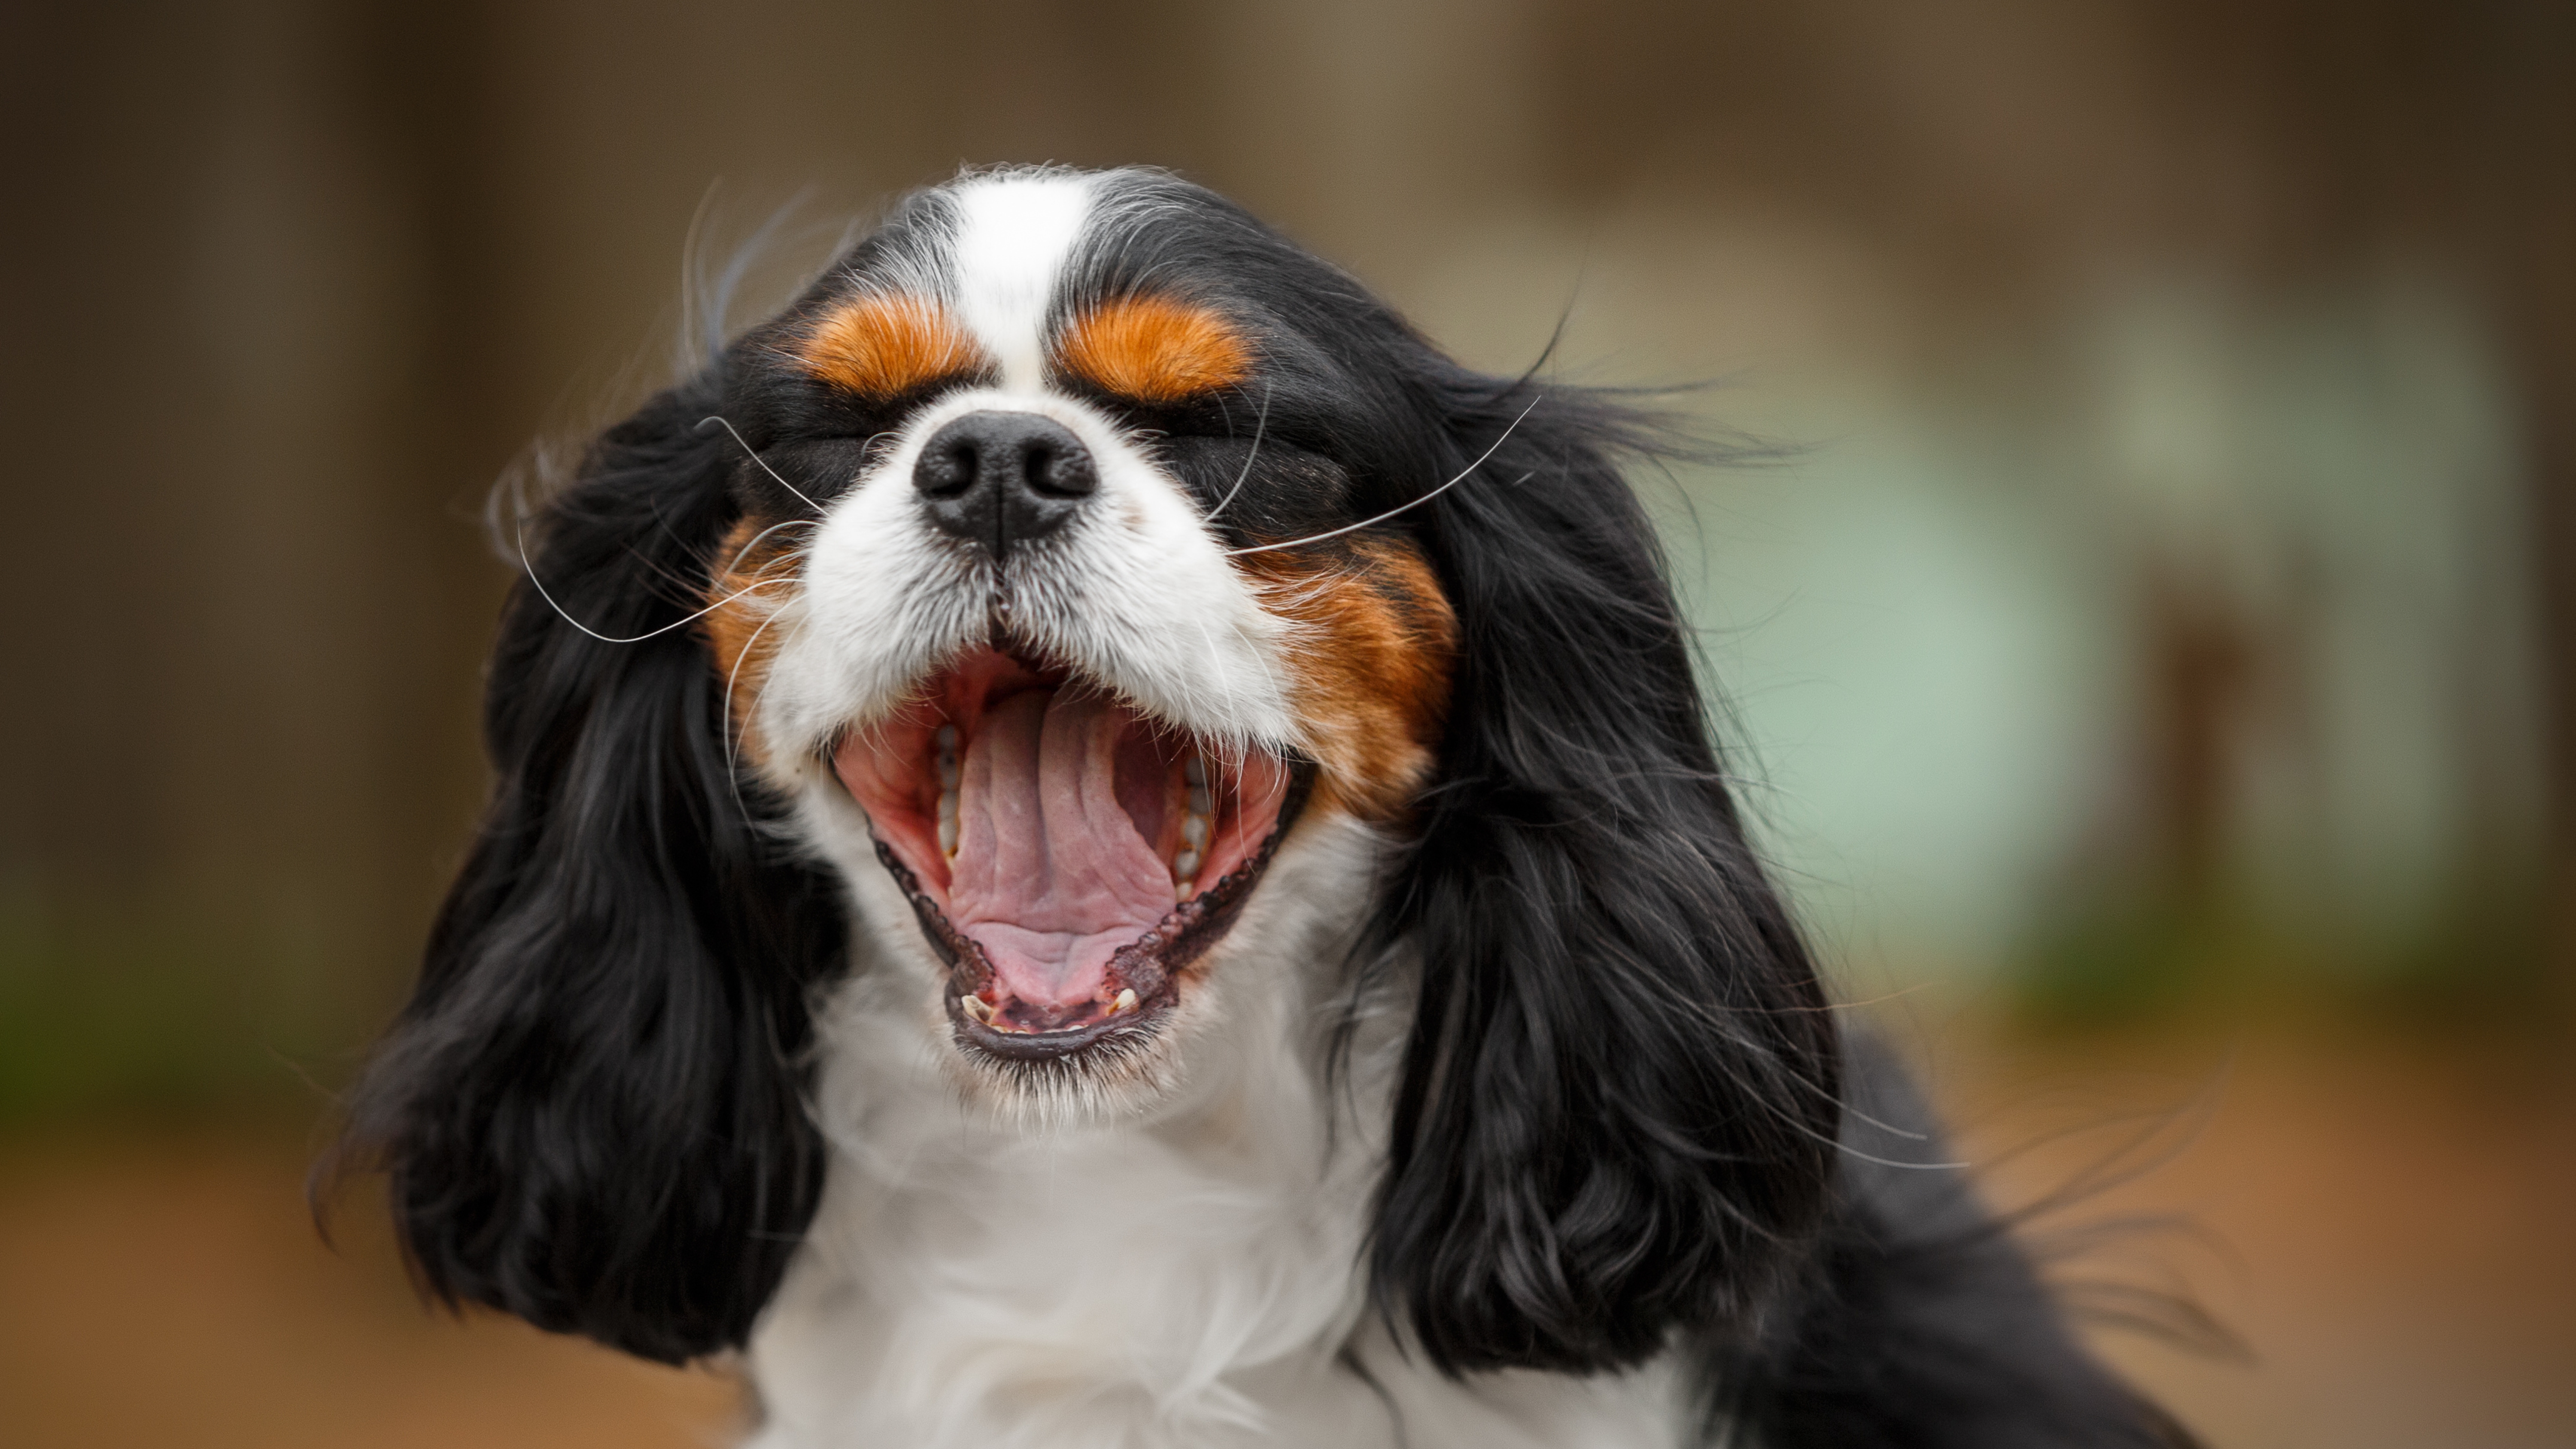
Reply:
x=1154, y=349
x=1369, y=672
x=739, y=632
x=882, y=346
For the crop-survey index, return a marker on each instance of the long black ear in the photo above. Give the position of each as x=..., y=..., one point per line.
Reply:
x=1619, y=1098
x=592, y=1110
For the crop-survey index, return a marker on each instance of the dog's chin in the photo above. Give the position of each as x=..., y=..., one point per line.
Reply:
x=1135, y=1073
x=1071, y=863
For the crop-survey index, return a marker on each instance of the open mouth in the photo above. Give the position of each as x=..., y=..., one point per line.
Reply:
x=1068, y=857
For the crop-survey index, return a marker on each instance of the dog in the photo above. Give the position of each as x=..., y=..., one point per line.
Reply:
x=1095, y=844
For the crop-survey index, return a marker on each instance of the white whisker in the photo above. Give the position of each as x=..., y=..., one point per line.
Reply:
x=521, y=529
x=754, y=541
x=1402, y=507
x=1258, y=429
x=736, y=729
x=719, y=420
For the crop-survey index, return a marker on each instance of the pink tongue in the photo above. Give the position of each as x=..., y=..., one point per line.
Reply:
x=1051, y=876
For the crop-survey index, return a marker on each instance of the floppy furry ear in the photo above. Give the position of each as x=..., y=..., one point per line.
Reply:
x=592, y=1110
x=1618, y=1104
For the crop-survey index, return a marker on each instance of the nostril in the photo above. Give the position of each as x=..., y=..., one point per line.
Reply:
x=947, y=468
x=1060, y=468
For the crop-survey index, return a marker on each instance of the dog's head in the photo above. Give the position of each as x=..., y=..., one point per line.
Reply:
x=1073, y=552
x=1043, y=584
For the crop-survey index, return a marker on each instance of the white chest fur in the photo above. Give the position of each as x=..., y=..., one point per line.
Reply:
x=1192, y=1283
x=1189, y=1278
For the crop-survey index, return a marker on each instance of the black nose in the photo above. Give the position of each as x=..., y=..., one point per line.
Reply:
x=999, y=480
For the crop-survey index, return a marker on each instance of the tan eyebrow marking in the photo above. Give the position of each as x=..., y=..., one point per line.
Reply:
x=1154, y=349
x=880, y=346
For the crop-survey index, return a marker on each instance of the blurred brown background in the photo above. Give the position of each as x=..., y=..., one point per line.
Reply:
x=2160, y=655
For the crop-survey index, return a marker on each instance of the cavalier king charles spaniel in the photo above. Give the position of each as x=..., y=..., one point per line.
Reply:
x=1094, y=844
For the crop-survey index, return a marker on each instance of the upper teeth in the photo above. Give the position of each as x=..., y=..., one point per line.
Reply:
x=1194, y=829
x=947, y=738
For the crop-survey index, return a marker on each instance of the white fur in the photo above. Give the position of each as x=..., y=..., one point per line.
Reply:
x=1166, y=1254
x=1178, y=1271
x=1014, y=234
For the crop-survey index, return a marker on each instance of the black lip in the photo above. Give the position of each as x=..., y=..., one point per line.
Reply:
x=1042, y=1046
x=1153, y=963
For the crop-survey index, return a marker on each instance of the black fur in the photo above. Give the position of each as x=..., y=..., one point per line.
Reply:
x=1619, y=1101
x=1916, y=1322
x=592, y=1109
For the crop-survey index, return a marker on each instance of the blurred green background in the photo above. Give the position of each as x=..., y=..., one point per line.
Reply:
x=2160, y=636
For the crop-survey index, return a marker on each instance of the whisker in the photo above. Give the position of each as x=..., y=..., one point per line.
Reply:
x=754, y=541
x=718, y=418
x=521, y=529
x=1257, y=429
x=1402, y=507
x=735, y=729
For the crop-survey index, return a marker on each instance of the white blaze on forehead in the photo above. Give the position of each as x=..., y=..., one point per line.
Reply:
x=1014, y=234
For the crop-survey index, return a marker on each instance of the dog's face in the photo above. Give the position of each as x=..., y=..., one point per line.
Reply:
x=1043, y=585
x=1046, y=565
